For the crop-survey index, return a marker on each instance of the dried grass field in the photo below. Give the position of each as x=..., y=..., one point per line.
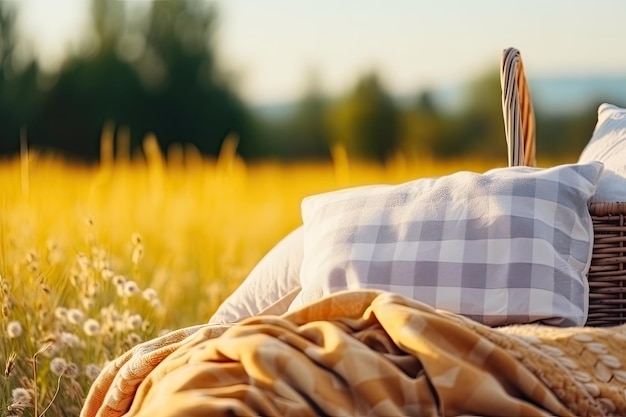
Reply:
x=97, y=258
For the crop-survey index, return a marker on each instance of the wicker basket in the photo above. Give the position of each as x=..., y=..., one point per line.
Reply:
x=607, y=275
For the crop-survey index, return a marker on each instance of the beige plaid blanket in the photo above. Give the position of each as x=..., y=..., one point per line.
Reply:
x=367, y=353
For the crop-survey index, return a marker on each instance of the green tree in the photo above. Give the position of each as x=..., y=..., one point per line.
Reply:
x=7, y=45
x=7, y=34
x=309, y=128
x=366, y=122
x=153, y=71
x=423, y=127
x=481, y=122
x=19, y=95
x=195, y=102
x=565, y=135
x=298, y=131
x=88, y=94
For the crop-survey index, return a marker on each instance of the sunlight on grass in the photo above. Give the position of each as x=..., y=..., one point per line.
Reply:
x=95, y=259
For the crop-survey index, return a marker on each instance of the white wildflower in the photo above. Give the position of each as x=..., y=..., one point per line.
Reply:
x=136, y=239
x=91, y=327
x=150, y=294
x=69, y=339
x=92, y=371
x=21, y=395
x=133, y=339
x=58, y=366
x=72, y=370
x=75, y=316
x=118, y=280
x=14, y=329
x=60, y=313
x=107, y=274
x=83, y=262
x=130, y=288
x=134, y=321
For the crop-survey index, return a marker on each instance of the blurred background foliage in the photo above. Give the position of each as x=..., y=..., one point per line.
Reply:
x=156, y=72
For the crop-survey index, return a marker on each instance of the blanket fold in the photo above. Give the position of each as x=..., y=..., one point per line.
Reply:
x=367, y=353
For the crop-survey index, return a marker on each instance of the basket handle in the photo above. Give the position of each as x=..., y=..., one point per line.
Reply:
x=517, y=110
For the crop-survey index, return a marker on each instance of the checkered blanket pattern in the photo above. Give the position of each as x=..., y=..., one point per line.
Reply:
x=511, y=245
x=364, y=353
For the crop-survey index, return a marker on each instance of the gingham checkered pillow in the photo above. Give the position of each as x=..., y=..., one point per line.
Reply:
x=512, y=245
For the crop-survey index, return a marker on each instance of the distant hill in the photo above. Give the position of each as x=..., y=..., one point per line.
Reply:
x=554, y=95
x=551, y=95
x=565, y=95
x=275, y=111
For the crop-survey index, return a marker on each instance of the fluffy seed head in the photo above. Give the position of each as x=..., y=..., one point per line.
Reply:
x=75, y=316
x=58, y=366
x=131, y=288
x=118, y=280
x=21, y=395
x=92, y=371
x=69, y=339
x=133, y=339
x=91, y=327
x=60, y=313
x=14, y=329
x=72, y=370
x=136, y=239
x=150, y=294
x=134, y=321
x=107, y=274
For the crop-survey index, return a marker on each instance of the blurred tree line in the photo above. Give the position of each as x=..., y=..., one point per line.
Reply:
x=148, y=72
x=370, y=124
x=156, y=71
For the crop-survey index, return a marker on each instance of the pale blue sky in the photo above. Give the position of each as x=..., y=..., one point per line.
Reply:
x=273, y=44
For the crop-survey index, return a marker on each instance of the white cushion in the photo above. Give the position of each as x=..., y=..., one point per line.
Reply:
x=512, y=245
x=608, y=145
x=274, y=277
